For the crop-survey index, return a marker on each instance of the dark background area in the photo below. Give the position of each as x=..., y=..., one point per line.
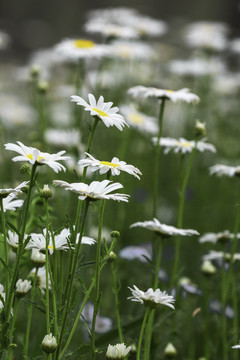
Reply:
x=40, y=23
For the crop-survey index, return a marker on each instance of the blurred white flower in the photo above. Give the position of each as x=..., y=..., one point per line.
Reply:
x=41, y=278
x=35, y=156
x=115, y=166
x=197, y=66
x=14, y=112
x=9, y=203
x=109, y=30
x=96, y=190
x=139, y=120
x=75, y=49
x=221, y=170
x=164, y=230
x=13, y=191
x=132, y=50
x=2, y=296
x=103, y=324
x=188, y=286
x=61, y=137
x=104, y=111
x=220, y=255
x=175, y=96
x=135, y=252
x=207, y=34
x=236, y=346
x=151, y=298
x=183, y=146
x=118, y=351
x=221, y=237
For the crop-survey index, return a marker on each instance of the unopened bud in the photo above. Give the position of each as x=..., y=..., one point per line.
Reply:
x=34, y=72
x=22, y=287
x=49, y=343
x=112, y=256
x=38, y=258
x=208, y=268
x=46, y=193
x=42, y=87
x=200, y=129
x=115, y=234
x=170, y=351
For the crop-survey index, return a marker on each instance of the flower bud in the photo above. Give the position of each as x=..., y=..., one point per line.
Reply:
x=38, y=258
x=25, y=169
x=200, y=129
x=34, y=72
x=22, y=287
x=208, y=268
x=112, y=256
x=46, y=193
x=115, y=234
x=170, y=351
x=49, y=343
x=42, y=87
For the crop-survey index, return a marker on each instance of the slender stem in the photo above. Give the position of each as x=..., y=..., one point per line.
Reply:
x=156, y=159
x=89, y=145
x=9, y=300
x=47, y=275
x=74, y=266
x=97, y=274
x=116, y=291
x=180, y=213
x=29, y=319
x=224, y=322
x=147, y=312
x=5, y=244
x=53, y=285
x=77, y=318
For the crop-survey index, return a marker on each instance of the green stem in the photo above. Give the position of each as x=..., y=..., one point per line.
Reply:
x=5, y=244
x=224, y=321
x=89, y=145
x=77, y=318
x=116, y=291
x=47, y=272
x=97, y=274
x=9, y=300
x=74, y=266
x=180, y=213
x=156, y=159
x=29, y=319
x=147, y=312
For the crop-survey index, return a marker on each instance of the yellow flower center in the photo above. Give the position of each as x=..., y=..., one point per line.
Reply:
x=100, y=112
x=50, y=247
x=84, y=44
x=136, y=118
x=31, y=157
x=170, y=91
x=107, y=163
x=185, y=144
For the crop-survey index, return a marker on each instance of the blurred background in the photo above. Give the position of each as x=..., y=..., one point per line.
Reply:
x=42, y=23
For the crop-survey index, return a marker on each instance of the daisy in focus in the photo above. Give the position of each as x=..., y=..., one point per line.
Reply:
x=224, y=170
x=35, y=156
x=164, y=230
x=96, y=190
x=115, y=166
x=183, y=146
x=75, y=49
x=175, y=96
x=151, y=298
x=104, y=111
x=118, y=351
x=38, y=241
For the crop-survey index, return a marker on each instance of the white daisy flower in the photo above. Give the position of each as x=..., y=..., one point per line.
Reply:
x=65, y=235
x=104, y=111
x=221, y=170
x=2, y=296
x=151, y=298
x=103, y=324
x=63, y=137
x=189, y=286
x=208, y=35
x=115, y=166
x=147, y=26
x=13, y=240
x=197, y=66
x=96, y=190
x=139, y=120
x=38, y=258
x=183, y=146
x=220, y=255
x=164, y=230
x=38, y=241
x=236, y=346
x=22, y=287
x=9, y=203
x=5, y=192
x=75, y=49
x=134, y=50
x=135, y=252
x=35, y=156
x=175, y=96
x=41, y=278
x=110, y=30
x=221, y=237
x=118, y=351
